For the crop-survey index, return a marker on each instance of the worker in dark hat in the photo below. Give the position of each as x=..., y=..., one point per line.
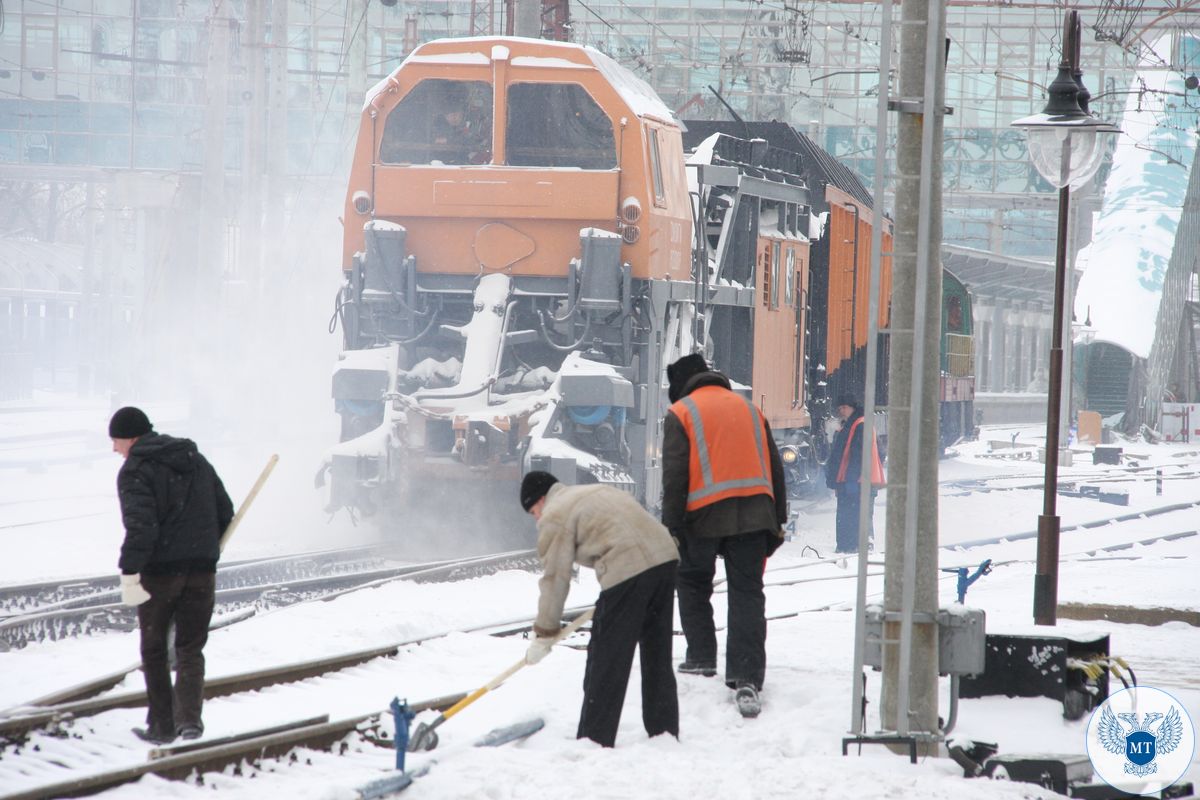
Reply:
x=843, y=474
x=724, y=494
x=175, y=509
x=604, y=528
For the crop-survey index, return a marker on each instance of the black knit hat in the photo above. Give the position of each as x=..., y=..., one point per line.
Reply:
x=129, y=423
x=534, y=487
x=683, y=370
x=847, y=399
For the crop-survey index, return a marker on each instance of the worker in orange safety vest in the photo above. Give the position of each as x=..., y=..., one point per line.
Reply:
x=724, y=495
x=843, y=474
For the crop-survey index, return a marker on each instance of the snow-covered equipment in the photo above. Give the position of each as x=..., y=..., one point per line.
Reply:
x=425, y=737
x=1017, y=665
x=513, y=296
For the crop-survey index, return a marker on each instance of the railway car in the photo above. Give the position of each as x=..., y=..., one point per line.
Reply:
x=527, y=245
x=957, y=396
x=525, y=251
x=838, y=324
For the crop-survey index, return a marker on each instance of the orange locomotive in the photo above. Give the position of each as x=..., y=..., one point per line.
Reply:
x=526, y=248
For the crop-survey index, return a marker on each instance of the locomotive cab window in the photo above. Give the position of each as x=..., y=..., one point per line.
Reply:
x=440, y=122
x=557, y=125
x=660, y=197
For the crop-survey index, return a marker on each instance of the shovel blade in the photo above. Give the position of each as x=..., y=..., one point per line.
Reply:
x=511, y=733
x=423, y=738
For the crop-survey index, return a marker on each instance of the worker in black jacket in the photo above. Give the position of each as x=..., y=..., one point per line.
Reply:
x=724, y=494
x=175, y=509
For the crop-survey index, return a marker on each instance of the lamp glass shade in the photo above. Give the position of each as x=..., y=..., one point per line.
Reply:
x=1065, y=155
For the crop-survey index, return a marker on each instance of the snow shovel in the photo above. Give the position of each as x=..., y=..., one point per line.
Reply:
x=424, y=738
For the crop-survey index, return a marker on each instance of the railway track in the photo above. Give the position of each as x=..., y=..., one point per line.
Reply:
x=242, y=590
x=1131, y=475
x=50, y=754
x=47, y=751
x=51, y=595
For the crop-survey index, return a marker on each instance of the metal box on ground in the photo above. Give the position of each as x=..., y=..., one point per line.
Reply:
x=1107, y=454
x=1102, y=791
x=961, y=637
x=1035, y=665
x=1049, y=770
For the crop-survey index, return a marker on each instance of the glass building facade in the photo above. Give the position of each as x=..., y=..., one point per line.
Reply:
x=120, y=84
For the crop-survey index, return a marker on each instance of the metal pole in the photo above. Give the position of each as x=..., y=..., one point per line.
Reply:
x=868, y=427
x=1045, y=581
x=926, y=259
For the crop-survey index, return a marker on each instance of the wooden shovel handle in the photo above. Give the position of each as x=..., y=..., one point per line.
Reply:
x=241, y=512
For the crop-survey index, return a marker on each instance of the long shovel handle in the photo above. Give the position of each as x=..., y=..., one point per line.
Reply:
x=241, y=512
x=575, y=625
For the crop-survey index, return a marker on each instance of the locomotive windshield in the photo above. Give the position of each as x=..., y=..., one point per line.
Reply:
x=440, y=122
x=558, y=125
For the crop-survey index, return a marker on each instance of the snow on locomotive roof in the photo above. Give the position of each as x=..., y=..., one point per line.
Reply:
x=543, y=61
x=636, y=93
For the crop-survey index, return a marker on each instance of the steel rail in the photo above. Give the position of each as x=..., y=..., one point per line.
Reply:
x=25, y=719
x=218, y=755
x=17, y=631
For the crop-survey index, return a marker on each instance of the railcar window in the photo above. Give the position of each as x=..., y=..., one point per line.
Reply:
x=440, y=122
x=656, y=168
x=954, y=315
x=558, y=125
x=789, y=287
x=775, y=251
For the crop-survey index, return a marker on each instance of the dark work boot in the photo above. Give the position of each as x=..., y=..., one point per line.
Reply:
x=191, y=731
x=153, y=737
x=746, y=697
x=705, y=668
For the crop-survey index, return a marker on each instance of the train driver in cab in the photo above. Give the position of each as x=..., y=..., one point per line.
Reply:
x=455, y=136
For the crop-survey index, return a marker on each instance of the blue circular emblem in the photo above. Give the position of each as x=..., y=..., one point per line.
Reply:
x=1140, y=740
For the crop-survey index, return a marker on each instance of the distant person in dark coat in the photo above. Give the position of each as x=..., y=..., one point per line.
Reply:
x=843, y=474
x=604, y=528
x=724, y=494
x=175, y=509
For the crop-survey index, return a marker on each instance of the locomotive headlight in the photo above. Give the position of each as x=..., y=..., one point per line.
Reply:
x=789, y=454
x=362, y=202
x=631, y=210
x=630, y=233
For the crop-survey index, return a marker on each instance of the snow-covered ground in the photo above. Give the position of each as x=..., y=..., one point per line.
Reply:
x=54, y=465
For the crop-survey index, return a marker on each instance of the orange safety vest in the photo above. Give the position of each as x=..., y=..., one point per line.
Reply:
x=876, y=464
x=720, y=425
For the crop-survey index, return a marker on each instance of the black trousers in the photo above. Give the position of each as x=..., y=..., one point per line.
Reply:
x=186, y=600
x=746, y=629
x=849, y=500
x=638, y=612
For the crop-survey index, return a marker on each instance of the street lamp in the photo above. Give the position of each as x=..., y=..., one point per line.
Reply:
x=1066, y=145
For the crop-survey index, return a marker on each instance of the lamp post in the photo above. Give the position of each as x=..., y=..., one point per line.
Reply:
x=1066, y=145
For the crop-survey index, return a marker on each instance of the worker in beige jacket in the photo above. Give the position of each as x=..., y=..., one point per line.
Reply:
x=635, y=559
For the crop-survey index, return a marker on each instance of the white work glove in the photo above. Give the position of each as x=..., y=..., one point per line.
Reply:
x=539, y=648
x=132, y=593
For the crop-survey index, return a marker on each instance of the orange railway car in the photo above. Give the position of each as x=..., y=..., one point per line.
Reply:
x=527, y=246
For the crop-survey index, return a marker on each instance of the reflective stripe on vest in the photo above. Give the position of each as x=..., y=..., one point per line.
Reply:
x=732, y=475
x=876, y=464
